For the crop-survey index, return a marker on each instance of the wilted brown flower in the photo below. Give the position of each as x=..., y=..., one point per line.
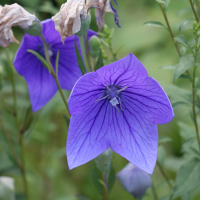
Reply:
x=13, y=15
x=68, y=20
x=101, y=8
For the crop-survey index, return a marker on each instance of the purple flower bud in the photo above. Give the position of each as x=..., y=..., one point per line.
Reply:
x=134, y=180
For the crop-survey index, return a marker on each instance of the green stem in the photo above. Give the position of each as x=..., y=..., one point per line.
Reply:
x=88, y=52
x=21, y=141
x=15, y=114
x=165, y=175
x=154, y=191
x=171, y=33
x=105, y=194
x=169, y=28
x=7, y=136
x=81, y=40
x=113, y=54
x=54, y=75
x=194, y=11
x=194, y=95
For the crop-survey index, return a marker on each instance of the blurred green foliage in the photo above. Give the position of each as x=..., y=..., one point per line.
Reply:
x=48, y=175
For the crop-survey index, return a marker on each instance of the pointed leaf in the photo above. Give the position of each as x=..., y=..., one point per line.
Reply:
x=44, y=63
x=166, y=4
x=185, y=63
x=57, y=62
x=180, y=104
x=182, y=40
x=155, y=24
x=79, y=58
x=184, y=76
x=184, y=23
x=187, y=178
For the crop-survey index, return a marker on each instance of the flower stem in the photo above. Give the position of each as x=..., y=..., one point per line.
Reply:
x=21, y=141
x=54, y=75
x=105, y=194
x=171, y=33
x=194, y=11
x=113, y=54
x=88, y=52
x=81, y=41
x=7, y=136
x=194, y=95
x=15, y=115
x=169, y=29
x=154, y=191
x=165, y=175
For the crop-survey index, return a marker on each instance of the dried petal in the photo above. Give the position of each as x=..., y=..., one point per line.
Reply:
x=103, y=7
x=13, y=15
x=68, y=20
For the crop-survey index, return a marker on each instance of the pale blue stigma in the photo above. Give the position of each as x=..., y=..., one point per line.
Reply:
x=114, y=101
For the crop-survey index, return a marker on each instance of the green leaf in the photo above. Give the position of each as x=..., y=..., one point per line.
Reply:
x=161, y=155
x=57, y=62
x=66, y=120
x=180, y=104
x=96, y=177
x=184, y=76
x=155, y=24
x=161, y=1
x=166, y=4
x=187, y=179
x=186, y=131
x=182, y=40
x=80, y=61
x=184, y=23
x=176, y=93
x=185, y=63
x=100, y=61
x=28, y=119
x=168, y=67
x=187, y=144
x=103, y=161
x=44, y=63
x=198, y=57
x=111, y=179
x=164, y=139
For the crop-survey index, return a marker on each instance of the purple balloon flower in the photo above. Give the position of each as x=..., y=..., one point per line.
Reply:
x=118, y=106
x=134, y=180
x=41, y=84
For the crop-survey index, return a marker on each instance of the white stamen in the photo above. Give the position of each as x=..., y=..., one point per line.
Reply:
x=101, y=99
x=114, y=101
x=122, y=89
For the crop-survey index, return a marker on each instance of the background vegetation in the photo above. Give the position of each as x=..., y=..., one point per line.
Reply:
x=48, y=175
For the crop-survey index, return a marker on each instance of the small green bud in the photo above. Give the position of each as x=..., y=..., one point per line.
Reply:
x=35, y=29
x=95, y=44
x=195, y=23
x=196, y=28
x=85, y=25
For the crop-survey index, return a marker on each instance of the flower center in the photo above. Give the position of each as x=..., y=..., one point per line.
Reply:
x=112, y=91
x=40, y=50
